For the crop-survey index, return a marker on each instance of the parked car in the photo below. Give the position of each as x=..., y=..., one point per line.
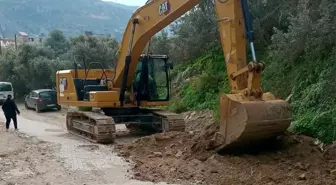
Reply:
x=6, y=89
x=42, y=99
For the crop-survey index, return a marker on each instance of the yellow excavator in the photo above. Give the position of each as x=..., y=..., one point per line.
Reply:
x=129, y=93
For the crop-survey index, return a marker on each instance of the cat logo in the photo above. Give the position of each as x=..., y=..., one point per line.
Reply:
x=164, y=8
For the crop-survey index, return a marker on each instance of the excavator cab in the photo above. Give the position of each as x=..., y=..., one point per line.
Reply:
x=151, y=82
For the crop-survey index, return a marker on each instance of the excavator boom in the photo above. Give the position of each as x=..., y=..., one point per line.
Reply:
x=144, y=24
x=248, y=116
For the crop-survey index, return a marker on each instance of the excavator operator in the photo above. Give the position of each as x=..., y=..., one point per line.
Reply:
x=151, y=83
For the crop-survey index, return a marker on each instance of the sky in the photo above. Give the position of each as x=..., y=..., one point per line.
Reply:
x=130, y=2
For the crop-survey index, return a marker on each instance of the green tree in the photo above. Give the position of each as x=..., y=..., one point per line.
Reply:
x=92, y=49
x=57, y=42
x=161, y=44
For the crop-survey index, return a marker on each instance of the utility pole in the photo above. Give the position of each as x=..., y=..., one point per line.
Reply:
x=15, y=41
x=1, y=39
x=2, y=32
x=1, y=46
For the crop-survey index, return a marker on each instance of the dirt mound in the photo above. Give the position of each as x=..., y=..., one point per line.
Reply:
x=182, y=158
x=198, y=121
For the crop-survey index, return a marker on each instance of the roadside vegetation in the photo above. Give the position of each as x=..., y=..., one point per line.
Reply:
x=296, y=41
x=33, y=67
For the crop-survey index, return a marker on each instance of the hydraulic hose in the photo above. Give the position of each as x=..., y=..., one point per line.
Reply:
x=249, y=27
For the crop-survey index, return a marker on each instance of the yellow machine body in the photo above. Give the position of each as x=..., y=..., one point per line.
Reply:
x=248, y=115
x=67, y=94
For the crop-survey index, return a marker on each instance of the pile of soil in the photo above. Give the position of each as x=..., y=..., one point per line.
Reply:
x=177, y=157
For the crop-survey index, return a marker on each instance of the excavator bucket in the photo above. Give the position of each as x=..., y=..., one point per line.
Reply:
x=244, y=123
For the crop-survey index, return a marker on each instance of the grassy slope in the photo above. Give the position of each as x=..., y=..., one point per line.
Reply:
x=199, y=82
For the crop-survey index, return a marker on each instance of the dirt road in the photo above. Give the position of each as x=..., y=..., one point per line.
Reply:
x=44, y=153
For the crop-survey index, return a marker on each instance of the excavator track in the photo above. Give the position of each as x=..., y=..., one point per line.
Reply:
x=165, y=122
x=94, y=127
x=171, y=121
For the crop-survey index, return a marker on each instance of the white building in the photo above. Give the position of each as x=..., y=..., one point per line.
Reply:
x=7, y=43
x=24, y=38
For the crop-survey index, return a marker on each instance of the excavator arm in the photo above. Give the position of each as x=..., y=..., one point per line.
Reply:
x=234, y=25
x=248, y=115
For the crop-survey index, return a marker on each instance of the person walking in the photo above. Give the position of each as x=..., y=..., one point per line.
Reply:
x=10, y=110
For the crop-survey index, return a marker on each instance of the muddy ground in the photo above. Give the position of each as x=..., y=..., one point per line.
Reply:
x=27, y=160
x=44, y=153
x=182, y=158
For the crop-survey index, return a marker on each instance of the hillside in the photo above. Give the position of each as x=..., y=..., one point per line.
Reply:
x=199, y=82
x=298, y=48
x=72, y=17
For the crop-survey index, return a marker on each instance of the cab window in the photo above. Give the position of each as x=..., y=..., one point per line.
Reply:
x=47, y=94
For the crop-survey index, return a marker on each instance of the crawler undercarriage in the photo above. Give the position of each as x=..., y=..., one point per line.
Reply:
x=100, y=127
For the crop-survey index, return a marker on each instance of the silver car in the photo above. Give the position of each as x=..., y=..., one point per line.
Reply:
x=6, y=89
x=42, y=99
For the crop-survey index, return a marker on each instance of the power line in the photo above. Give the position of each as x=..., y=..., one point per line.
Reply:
x=2, y=33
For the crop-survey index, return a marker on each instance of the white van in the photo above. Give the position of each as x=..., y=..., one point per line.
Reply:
x=6, y=89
